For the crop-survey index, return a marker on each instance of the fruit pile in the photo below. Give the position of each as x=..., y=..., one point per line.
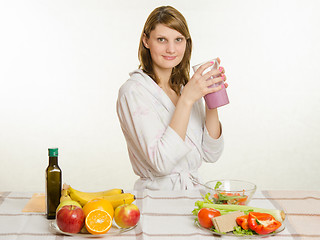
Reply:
x=94, y=212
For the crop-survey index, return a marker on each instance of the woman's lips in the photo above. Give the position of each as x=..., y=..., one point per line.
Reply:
x=169, y=57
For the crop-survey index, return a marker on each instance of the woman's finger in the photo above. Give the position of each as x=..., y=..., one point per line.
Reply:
x=223, y=76
x=221, y=69
x=213, y=81
x=212, y=73
x=203, y=67
x=215, y=89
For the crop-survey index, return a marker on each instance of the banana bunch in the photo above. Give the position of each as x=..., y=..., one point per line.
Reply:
x=116, y=196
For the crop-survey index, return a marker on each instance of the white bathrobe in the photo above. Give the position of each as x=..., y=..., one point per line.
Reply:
x=157, y=153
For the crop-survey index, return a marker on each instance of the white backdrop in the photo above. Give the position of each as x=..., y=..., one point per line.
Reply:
x=63, y=61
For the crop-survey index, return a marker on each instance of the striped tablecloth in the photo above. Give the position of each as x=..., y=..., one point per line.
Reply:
x=166, y=215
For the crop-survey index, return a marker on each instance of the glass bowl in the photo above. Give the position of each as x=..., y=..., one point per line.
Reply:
x=236, y=192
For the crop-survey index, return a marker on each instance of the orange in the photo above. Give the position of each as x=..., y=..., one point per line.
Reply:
x=98, y=203
x=98, y=222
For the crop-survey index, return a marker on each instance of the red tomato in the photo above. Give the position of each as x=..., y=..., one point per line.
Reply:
x=205, y=215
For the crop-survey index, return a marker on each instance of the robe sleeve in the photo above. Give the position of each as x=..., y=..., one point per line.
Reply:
x=212, y=148
x=148, y=134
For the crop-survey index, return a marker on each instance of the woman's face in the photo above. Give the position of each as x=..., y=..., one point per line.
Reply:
x=167, y=47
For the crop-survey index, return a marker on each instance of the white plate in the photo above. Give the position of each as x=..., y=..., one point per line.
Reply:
x=280, y=229
x=114, y=230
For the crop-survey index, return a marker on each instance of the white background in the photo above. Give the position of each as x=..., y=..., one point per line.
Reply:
x=63, y=61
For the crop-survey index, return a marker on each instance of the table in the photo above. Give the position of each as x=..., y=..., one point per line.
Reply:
x=167, y=215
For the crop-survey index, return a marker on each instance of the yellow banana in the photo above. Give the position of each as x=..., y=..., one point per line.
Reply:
x=84, y=197
x=80, y=197
x=119, y=199
x=64, y=195
x=97, y=194
x=115, y=200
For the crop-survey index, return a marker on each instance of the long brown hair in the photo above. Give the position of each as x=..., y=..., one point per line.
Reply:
x=173, y=19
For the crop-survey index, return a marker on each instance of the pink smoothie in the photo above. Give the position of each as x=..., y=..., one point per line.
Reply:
x=217, y=99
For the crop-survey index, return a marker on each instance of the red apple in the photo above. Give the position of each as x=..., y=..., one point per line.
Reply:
x=70, y=219
x=127, y=215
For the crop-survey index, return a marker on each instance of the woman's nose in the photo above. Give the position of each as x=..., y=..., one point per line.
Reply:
x=171, y=47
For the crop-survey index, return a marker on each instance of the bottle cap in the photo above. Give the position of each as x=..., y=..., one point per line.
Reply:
x=53, y=152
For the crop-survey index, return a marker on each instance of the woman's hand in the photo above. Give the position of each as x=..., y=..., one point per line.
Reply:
x=199, y=85
x=196, y=88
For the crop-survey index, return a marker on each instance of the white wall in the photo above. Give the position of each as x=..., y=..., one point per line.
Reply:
x=63, y=61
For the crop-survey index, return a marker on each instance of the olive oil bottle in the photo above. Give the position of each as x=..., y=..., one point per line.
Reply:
x=53, y=184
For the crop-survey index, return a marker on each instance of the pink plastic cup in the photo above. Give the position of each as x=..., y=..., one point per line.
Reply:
x=215, y=99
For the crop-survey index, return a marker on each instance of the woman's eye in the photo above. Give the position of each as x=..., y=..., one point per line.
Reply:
x=161, y=39
x=179, y=39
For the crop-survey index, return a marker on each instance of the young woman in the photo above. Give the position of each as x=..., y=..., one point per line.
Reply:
x=161, y=111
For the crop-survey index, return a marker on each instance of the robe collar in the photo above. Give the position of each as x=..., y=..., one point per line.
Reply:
x=157, y=92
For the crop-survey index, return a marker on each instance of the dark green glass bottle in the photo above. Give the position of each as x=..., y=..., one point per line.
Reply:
x=53, y=184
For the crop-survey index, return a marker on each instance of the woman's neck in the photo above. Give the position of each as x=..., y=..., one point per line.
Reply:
x=163, y=76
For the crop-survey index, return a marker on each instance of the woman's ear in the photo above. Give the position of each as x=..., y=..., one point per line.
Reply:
x=145, y=41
